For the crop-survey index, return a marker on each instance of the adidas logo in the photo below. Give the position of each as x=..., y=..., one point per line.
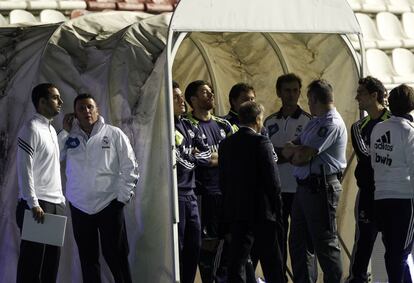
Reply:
x=384, y=142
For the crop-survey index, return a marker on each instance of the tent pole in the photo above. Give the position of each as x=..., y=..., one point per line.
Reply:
x=209, y=68
x=171, y=156
x=277, y=50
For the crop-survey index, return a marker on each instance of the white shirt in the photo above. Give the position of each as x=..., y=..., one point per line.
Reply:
x=392, y=158
x=100, y=168
x=282, y=130
x=38, y=164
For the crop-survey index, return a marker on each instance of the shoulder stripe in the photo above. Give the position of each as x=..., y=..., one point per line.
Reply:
x=220, y=120
x=307, y=114
x=355, y=131
x=25, y=146
x=191, y=119
x=271, y=116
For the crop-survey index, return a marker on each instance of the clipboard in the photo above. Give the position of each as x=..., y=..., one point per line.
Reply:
x=50, y=232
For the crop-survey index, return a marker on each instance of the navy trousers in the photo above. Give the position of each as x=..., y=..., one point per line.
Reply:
x=394, y=218
x=365, y=235
x=38, y=263
x=109, y=226
x=189, y=235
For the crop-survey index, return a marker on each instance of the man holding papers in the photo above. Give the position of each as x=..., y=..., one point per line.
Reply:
x=40, y=190
x=101, y=173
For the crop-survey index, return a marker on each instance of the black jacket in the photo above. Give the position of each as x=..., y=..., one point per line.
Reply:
x=249, y=178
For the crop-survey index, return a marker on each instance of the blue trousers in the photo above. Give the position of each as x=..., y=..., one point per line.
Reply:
x=189, y=235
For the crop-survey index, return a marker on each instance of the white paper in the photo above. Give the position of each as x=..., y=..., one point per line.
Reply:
x=51, y=231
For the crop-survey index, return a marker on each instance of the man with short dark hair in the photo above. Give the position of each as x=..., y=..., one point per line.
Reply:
x=190, y=152
x=239, y=93
x=283, y=126
x=370, y=96
x=252, y=205
x=318, y=155
x=101, y=172
x=392, y=158
x=213, y=129
x=40, y=189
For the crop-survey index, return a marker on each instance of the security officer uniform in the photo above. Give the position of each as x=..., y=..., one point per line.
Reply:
x=317, y=197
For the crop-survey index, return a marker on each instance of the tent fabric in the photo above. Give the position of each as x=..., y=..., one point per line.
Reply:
x=310, y=56
x=120, y=58
x=117, y=58
x=323, y=16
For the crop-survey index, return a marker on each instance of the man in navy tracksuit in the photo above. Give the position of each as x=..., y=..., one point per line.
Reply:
x=370, y=97
x=190, y=151
x=213, y=130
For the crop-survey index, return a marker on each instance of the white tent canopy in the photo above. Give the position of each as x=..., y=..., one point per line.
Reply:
x=121, y=58
x=299, y=16
x=230, y=41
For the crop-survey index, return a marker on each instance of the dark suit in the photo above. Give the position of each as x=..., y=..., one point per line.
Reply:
x=249, y=180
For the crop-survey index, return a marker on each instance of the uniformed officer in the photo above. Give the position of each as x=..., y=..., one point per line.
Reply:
x=318, y=155
x=370, y=96
x=392, y=158
x=283, y=126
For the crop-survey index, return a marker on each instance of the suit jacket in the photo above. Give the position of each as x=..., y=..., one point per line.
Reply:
x=249, y=178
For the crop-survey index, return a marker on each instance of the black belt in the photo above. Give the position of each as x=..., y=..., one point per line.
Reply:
x=312, y=179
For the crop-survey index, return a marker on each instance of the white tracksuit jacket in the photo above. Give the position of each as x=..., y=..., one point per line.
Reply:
x=38, y=165
x=392, y=158
x=100, y=168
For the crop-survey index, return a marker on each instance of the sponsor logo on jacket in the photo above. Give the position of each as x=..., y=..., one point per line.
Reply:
x=72, y=142
x=105, y=142
x=384, y=143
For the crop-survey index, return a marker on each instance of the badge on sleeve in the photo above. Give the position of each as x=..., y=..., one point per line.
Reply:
x=322, y=132
x=273, y=129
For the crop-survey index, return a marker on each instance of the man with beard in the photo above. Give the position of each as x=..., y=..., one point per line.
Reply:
x=40, y=189
x=200, y=97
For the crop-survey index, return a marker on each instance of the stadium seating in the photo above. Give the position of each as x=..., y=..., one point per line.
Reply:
x=389, y=28
x=21, y=16
x=372, y=38
x=380, y=66
x=408, y=24
x=398, y=6
x=373, y=6
x=52, y=16
x=403, y=62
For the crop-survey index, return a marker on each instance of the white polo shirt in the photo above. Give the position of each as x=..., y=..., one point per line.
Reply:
x=282, y=130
